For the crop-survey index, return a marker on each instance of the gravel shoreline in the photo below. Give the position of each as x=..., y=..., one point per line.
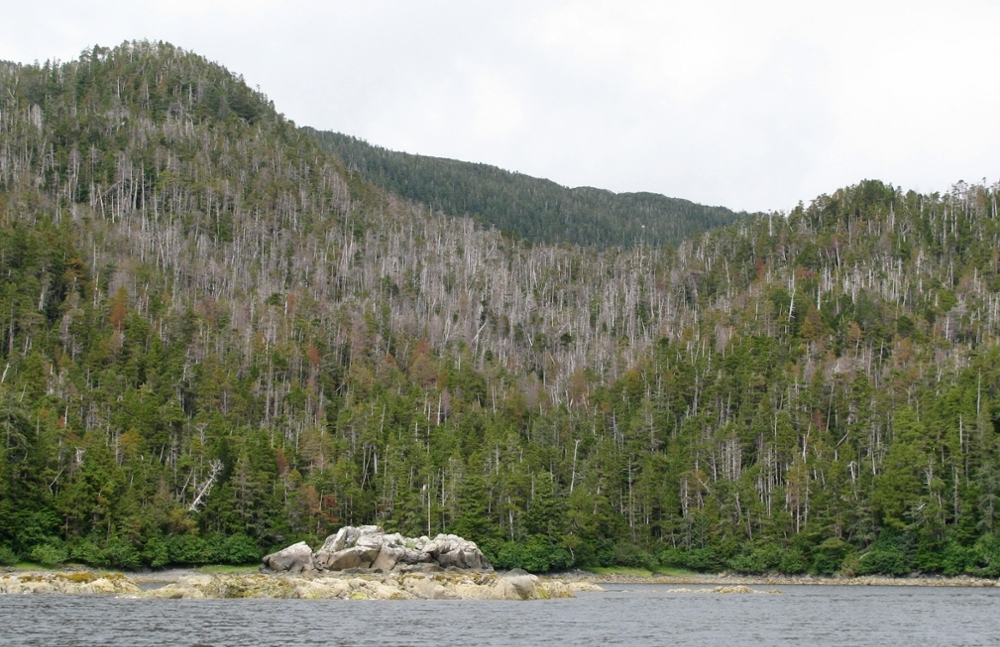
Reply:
x=726, y=579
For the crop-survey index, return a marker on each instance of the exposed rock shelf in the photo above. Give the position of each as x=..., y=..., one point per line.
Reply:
x=725, y=589
x=391, y=586
x=75, y=583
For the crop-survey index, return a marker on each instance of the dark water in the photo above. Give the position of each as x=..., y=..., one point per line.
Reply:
x=628, y=615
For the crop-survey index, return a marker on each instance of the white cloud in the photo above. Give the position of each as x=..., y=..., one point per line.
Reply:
x=498, y=112
x=688, y=49
x=752, y=105
x=187, y=9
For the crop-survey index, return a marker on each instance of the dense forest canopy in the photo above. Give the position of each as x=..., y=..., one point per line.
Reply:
x=523, y=206
x=216, y=339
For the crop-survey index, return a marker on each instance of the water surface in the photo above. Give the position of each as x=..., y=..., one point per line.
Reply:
x=625, y=615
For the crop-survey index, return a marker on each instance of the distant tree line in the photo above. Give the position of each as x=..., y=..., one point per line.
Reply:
x=523, y=206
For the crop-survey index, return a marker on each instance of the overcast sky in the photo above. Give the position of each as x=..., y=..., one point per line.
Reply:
x=750, y=105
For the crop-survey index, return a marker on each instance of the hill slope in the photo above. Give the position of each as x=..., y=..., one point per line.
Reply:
x=215, y=339
x=534, y=209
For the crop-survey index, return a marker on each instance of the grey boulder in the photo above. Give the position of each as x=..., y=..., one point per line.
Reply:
x=452, y=550
x=294, y=559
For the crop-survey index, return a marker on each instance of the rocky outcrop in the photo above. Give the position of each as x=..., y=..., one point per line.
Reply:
x=389, y=586
x=297, y=558
x=78, y=583
x=452, y=550
x=370, y=548
x=351, y=547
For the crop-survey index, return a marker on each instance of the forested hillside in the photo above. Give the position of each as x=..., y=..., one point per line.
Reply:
x=523, y=206
x=216, y=340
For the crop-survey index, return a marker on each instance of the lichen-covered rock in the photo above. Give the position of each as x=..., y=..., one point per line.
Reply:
x=354, y=557
x=723, y=589
x=248, y=586
x=101, y=585
x=323, y=589
x=347, y=537
x=388, y=589
x=733, y=589
x=390, y=586
x=525, y=585
x=504, y=589
x=352, y=547
x=452, y=550
x=387, y=558
x=552, y=589
x=74, y=583
x=396, y=585
x=297, y=558
x=173, y=592
x=423, y=567
x=428, y=588
x=20, y=585
x=227, y=586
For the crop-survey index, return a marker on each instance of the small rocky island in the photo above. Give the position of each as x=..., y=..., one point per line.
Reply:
x=357, y=563
x=364, y=562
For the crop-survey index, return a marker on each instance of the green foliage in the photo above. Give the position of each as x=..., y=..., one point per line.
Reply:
x=49, y=554
x=120, y=554
x=627, y=554
x=898, y=488
x=472, y=519
x=758, y=560
x=189, y=550
x=86, y=551
x=828, y=556
x=534, y=209
x=700, y=560
x=7, y=556
x=239, y=550
x=887, y=556
x=156, y=553
x=955, y=559
x=793, y=562
x=535, y=556
x=985, y=556
x=883, y=561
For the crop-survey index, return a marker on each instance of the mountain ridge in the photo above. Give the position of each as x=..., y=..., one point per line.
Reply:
x=532, y=208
